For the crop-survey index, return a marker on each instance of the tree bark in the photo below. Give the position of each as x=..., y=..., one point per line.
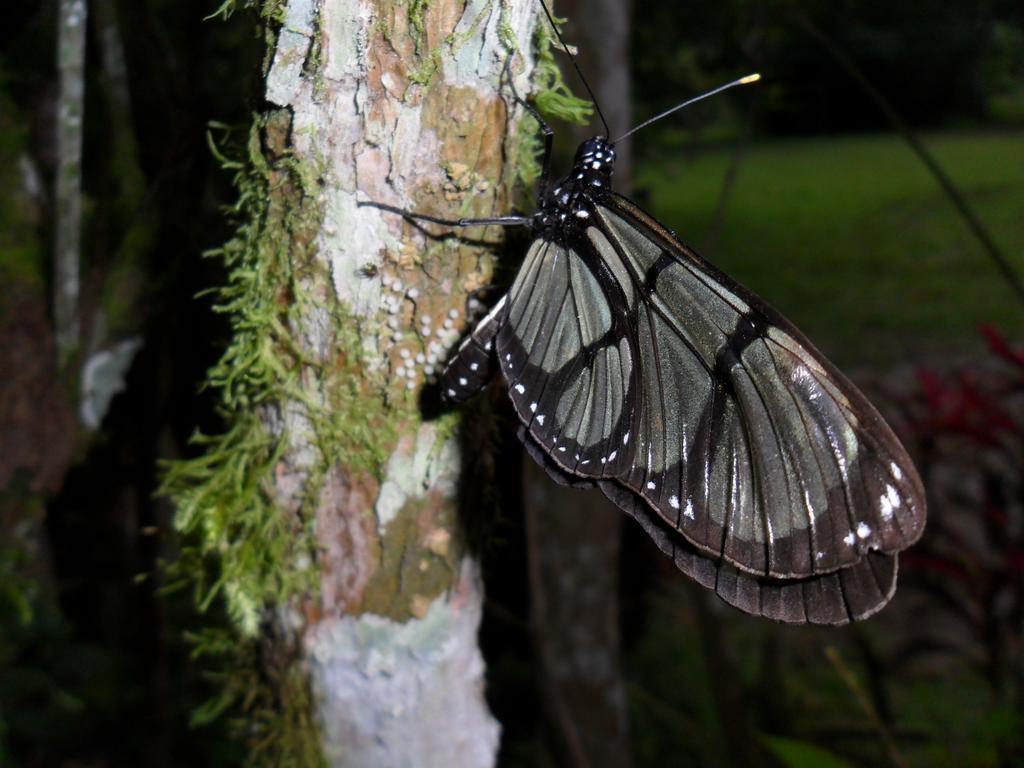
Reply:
x=396, y=103
x=68, y=194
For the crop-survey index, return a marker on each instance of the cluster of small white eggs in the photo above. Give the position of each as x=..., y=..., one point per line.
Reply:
x=435, y=343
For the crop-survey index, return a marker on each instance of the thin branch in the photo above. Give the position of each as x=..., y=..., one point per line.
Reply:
x=725, y=194
x=959, y=202
x=850, y=680
x=68, y=216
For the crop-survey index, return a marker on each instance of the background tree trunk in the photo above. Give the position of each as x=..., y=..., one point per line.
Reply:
x=399, y=103
x=575, y=535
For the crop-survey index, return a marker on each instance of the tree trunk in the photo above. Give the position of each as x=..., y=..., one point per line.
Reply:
x=341, y=557
x=391, y=642
x=575, y=535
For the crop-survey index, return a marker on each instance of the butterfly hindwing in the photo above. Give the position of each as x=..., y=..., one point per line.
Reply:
x=845, y=595
x=567, y=354
x=473, y=366
x=838, y=597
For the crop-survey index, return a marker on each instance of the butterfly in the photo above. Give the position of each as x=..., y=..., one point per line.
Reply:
x=636, y=366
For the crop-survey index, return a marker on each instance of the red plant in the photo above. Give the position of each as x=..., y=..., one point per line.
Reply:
x=967, y=429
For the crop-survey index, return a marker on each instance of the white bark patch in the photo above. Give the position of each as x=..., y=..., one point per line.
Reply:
x=293, y=42
x=343, y=29
x=102, y=378
x=403, y=694
x=418, y=465
x=353, y=244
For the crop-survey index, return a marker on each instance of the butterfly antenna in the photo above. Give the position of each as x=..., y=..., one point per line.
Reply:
x=576, y=66
x=742, y=81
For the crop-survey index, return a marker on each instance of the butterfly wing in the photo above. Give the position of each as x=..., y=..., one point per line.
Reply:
x=763, y=453
x=848, y=594
x=566, y=349
x=755, y=464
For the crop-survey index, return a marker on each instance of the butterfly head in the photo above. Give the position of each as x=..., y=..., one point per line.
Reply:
x=594, y=162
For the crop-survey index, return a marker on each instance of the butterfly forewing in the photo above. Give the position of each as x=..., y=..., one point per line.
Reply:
x=819, y=479
x=630, y=359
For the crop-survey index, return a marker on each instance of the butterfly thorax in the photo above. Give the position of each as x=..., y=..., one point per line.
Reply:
x=568, y=205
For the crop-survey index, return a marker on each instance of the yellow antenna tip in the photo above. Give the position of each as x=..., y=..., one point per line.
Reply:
x=751, y=78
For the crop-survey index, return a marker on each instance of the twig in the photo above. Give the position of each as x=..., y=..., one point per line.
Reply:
x=851, y=682
x=959, y=202
x=725, y=194
x=70, y=110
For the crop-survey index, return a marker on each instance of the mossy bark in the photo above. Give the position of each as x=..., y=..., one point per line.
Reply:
x=347, y=555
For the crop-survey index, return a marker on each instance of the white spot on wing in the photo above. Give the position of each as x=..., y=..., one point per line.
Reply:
x=462, y=381
x=650, y=485
x=673, y=501
x=520, y=388
x=888, y=502
x=688, y=512
x=892, y=495
x=625, y=439
x=540, y=419
x=533, y=407
x=848, y=539
x=863, y=530
x=896, y=471
x=474, y=366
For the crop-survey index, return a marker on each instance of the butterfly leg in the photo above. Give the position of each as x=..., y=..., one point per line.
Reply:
x=549, y=134
x=501, y=221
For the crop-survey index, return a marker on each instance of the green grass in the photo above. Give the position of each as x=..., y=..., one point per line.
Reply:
x=854, y=241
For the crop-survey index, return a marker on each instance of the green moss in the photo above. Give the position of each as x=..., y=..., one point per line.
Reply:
x=227, y=507
x=270, y=10
x=276, y=695
x=417, y=22
x=554, y=98
x=243, y=547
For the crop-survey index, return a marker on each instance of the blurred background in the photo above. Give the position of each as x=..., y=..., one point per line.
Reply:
x=871, y=188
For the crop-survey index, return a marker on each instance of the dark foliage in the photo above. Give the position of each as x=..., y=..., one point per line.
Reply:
x=938, y=60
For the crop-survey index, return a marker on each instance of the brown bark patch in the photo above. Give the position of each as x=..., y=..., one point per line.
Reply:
x=36, y=418
x=418, y=559
x=347, y=539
